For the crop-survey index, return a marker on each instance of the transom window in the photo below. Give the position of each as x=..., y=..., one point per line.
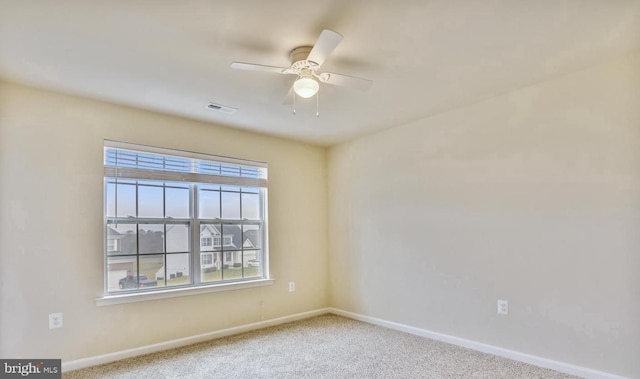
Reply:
x=180, y=219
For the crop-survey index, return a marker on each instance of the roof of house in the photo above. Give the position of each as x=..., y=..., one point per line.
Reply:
x=112, y=232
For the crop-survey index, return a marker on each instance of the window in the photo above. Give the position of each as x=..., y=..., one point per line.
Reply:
x=170, y=216
x=113, y=244
x=206, y=259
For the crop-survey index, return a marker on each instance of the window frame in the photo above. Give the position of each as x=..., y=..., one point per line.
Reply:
x=193, y=180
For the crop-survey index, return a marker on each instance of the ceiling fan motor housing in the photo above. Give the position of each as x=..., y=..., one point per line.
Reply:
x=299, y=56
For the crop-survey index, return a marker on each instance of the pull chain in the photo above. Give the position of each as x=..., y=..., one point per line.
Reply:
x=317, y=104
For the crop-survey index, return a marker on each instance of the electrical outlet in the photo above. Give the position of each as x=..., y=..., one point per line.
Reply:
x=292, y=286
x=503, y=307
x=55, y=320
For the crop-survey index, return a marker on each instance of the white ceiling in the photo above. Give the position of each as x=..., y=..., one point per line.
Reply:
x=423, y=56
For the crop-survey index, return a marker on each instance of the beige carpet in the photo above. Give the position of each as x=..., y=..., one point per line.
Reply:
x=320, y=347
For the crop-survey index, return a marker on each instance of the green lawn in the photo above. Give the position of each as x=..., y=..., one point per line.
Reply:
x=231, y=273
x=149, y=268
x=214, y=276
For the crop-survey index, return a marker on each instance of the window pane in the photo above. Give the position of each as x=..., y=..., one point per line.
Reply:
x=150, y=203
x=231, y=237
x=252, y=237
x=149, y=183
x=210, y=266
x=250, y=189
x=110, y=195
x=250, y=206
x=230, y=205
x=121, y=239
x=121, y=273
x=252, y=264
x=177, y=202
x=178, y=269
x=210, y=237
x=151, y=238
x=151, y=271
x=125, y=200
x=208, y=204
x=232, y=265
x=177, y=238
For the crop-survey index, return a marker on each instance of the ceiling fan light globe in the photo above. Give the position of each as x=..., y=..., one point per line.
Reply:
x=306, y=87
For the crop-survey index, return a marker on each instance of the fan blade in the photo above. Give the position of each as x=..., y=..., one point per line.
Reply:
x=327, y=42
x=258, y=67
x=346, y=81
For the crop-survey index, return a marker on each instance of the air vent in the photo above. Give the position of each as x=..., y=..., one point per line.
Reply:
x=221, y=108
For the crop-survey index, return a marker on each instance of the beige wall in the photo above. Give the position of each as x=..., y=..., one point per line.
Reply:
x=51, y=230
x=532, y=197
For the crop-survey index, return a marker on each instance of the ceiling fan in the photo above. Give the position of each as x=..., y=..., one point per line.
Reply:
x=306, y=62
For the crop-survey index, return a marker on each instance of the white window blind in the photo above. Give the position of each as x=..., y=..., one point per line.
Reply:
x=122, y=160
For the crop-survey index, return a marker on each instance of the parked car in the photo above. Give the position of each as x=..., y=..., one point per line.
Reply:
x=253, y=263
x=140, y=281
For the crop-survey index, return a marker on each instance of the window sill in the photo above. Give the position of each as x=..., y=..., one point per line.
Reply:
x=178, y=292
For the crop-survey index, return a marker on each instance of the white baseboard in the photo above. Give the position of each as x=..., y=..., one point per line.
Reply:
x=511, y=354
x=506, y=353
x=142, y=350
